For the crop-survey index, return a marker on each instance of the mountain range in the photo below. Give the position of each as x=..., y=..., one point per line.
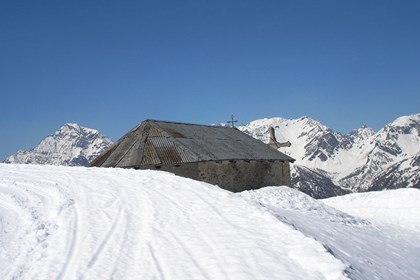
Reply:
x=328, y=163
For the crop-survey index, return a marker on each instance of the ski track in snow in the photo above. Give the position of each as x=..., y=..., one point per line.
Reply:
x=93, y=223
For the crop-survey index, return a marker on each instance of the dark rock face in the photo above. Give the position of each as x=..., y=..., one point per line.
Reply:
x=397, y=176
x=323, y=144
x=315, y=184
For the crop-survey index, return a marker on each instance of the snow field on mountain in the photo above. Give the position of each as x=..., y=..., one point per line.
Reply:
x=304, y=135
x=94, y=223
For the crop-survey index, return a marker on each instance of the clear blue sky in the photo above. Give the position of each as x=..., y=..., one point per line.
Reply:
x=111, y=64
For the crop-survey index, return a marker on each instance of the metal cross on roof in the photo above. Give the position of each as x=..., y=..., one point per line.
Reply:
x=232, y=121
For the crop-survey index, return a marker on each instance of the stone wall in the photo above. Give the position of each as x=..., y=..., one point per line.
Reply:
x=235, y=176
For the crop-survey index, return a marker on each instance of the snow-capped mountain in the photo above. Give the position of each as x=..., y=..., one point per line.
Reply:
x=71, y=145
x=327, y=164
x=390, y=157
x=359, y=161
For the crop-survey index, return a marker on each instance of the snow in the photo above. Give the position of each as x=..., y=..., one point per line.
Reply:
x=306, y=136
x=394, y=207
x=371, y=250
x=405, y=132
x=93, y=223
x=404, y=121
x=100, y=223
x=405, y=142
x=71, y=145
x=353, y=162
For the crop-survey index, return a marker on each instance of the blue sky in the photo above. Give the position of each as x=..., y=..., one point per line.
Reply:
x=111, y=64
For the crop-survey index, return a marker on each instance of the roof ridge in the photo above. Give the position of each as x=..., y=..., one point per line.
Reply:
x=174, y=122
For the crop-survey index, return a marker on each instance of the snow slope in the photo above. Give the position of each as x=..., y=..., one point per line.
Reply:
x=395, y=207
x=100, y=223
x=93, y=223
x=377, y=243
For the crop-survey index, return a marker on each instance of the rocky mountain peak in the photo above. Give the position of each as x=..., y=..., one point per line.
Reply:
x=407, y=121
x=72, y=145
x=402, y=125
x=309, y=121
x=401, y=134
x=357, y=161
x=361, y=134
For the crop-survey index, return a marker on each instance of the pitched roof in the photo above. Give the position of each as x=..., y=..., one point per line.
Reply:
x=160, y=142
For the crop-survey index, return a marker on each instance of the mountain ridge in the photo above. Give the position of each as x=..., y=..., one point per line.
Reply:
x=328, y=163
x=358, y=161
x=70, y=145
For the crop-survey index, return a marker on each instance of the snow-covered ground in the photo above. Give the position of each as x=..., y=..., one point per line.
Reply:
x=371, y=245
x=396, y=207
x=94, y=223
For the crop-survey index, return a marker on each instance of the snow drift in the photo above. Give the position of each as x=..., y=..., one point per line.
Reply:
x=371, y=245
